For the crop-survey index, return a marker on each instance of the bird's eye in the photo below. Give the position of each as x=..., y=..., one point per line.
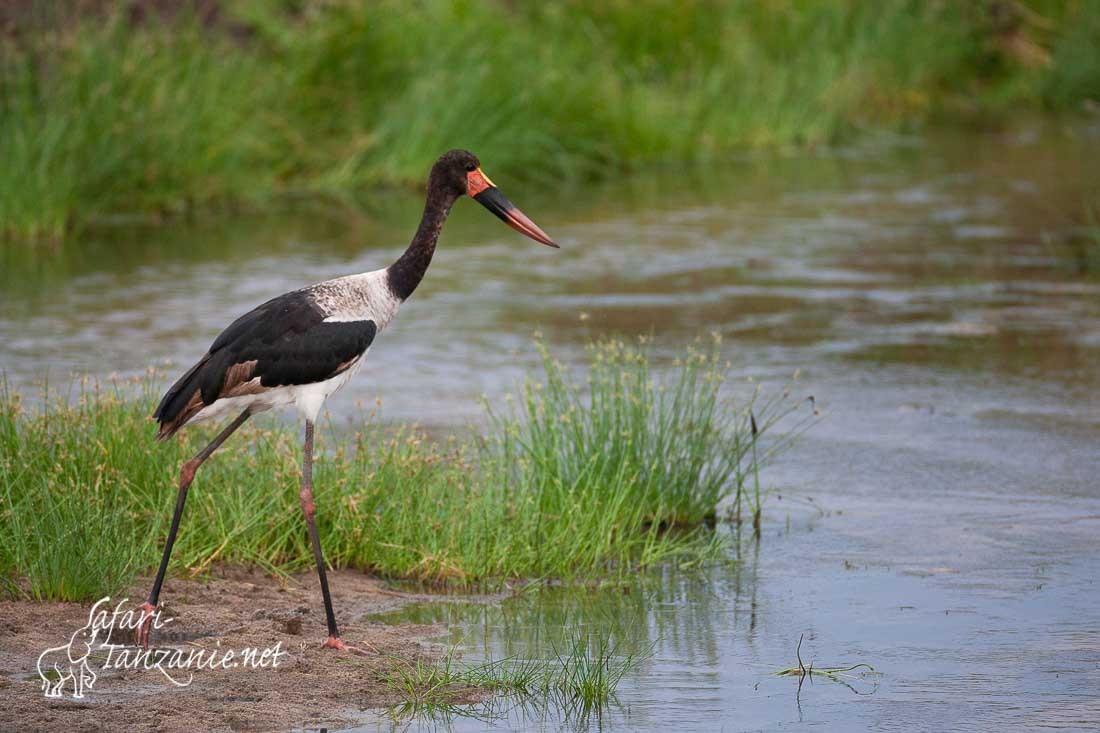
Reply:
x=470, y=167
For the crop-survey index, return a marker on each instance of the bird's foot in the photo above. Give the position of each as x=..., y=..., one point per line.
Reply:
x=146, y=610
x=334, y=642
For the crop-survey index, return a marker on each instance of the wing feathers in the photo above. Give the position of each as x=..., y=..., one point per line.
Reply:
x=285, y=341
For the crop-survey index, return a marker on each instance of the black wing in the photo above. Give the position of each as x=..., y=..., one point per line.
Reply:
x=284, y=341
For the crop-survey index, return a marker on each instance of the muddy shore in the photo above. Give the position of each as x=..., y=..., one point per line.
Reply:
x=311, y=687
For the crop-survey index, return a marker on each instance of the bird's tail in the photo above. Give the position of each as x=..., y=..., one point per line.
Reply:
x=180, y=403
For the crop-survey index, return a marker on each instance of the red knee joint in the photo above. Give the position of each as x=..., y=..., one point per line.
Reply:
x=306, y=499
x=187, y=473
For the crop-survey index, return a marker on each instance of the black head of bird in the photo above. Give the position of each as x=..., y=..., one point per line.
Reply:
x=459, y=173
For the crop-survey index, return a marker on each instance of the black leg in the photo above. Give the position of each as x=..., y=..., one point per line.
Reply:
x=309, y=510
x=305, y=496
x=187, y=475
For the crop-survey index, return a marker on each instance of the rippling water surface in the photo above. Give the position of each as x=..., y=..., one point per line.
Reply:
x=942, y=520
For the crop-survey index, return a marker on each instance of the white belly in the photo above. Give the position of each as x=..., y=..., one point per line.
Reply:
x=307, y=398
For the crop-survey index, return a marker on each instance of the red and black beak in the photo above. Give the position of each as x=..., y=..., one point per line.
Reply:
x=482, y=190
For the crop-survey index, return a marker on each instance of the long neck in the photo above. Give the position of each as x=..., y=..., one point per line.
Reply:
x=407, y=272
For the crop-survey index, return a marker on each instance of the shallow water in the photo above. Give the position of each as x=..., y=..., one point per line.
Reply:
x=940, y=522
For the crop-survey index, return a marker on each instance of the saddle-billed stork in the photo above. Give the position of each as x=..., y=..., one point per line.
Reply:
x=299, y=348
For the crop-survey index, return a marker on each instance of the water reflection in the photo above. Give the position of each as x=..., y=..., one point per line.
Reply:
x=672, y=619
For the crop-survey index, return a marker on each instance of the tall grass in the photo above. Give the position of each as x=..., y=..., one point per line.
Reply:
x=586, y=479
x=672, y=438
x=111, y=121
x=99, y=114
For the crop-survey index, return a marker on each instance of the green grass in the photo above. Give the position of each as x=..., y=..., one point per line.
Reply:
x=100, y=116
x=582, y=677
x=580, y=478
x=119, y=122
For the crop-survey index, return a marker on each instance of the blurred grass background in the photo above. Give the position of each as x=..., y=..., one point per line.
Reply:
x=163, y=105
